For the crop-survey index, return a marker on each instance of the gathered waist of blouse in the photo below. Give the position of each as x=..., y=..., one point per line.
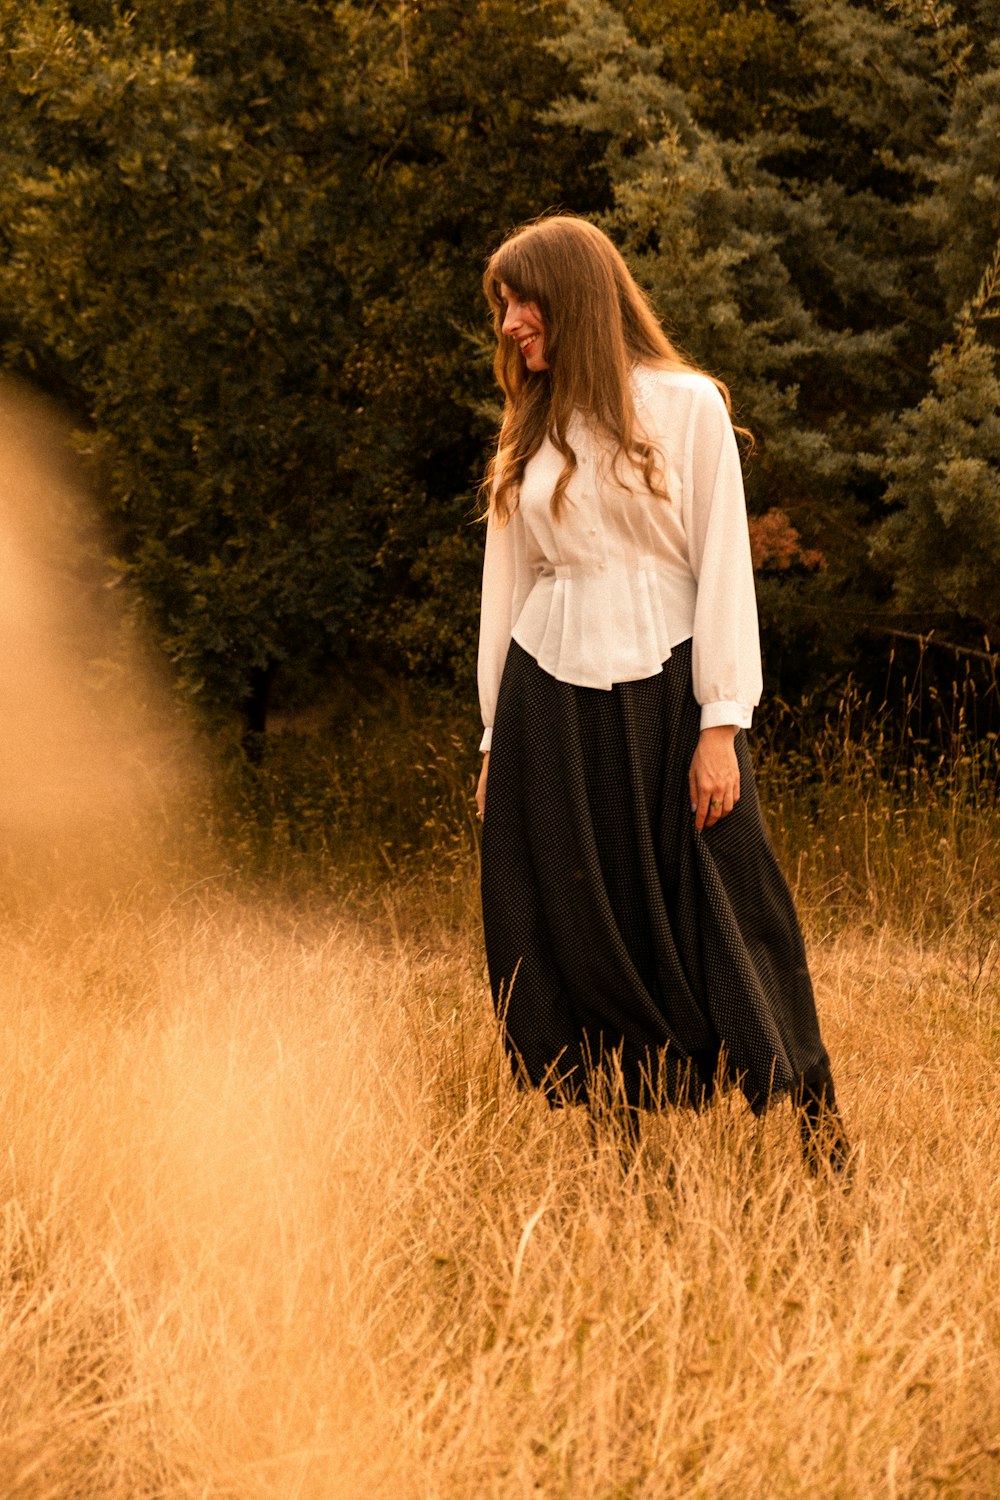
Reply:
x=595, y=624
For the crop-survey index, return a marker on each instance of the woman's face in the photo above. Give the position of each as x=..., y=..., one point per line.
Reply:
x=523, y=321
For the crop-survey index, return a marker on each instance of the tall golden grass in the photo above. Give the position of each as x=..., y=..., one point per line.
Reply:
x=277, y=1224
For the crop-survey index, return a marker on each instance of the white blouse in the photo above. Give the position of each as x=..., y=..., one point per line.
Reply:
x=604, y=594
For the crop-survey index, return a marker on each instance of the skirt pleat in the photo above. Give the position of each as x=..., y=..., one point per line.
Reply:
x=625, y=949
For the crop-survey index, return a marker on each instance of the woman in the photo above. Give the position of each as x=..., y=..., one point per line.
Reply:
x=641, y=940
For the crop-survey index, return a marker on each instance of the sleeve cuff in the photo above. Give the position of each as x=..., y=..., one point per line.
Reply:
x=714, y=714
x=487, y=739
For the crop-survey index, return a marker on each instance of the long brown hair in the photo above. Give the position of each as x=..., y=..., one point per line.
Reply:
x=597, y=324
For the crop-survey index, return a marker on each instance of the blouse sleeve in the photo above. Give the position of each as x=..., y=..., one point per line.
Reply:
x=506, y=584
x=726, y=667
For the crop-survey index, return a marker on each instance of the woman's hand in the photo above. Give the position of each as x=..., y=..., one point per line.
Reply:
x=481, y=788
x=714, y=777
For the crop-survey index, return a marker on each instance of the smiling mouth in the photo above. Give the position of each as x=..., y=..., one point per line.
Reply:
x=529, y=344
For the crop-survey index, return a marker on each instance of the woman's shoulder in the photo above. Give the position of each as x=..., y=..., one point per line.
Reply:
x=679, y=387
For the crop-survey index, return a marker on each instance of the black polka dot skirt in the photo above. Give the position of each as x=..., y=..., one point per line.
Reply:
x=625, y=949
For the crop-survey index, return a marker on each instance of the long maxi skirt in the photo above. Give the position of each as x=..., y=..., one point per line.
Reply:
x=625, y=949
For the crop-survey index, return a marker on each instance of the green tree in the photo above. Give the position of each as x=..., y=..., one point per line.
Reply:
x=181, y=197
x=942, y=543
x=736, y=61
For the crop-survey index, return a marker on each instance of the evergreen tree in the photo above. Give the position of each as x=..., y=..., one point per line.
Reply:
x=942, y=544
x=961, y=214
x=735, y=62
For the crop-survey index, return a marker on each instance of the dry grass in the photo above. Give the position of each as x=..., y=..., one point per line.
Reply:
x=277, y=1224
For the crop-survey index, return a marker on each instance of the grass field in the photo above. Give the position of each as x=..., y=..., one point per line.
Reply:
x=277, y=1226
x=276, y=1223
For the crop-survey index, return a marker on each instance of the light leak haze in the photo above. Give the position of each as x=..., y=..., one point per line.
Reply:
x=87, y=749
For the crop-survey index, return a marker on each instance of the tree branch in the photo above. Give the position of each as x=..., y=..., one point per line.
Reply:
x=993, y=657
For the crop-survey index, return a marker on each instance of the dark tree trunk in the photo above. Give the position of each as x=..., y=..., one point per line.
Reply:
x=255, y=707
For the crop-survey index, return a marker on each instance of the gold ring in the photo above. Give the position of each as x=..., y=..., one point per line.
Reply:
x=715, y=802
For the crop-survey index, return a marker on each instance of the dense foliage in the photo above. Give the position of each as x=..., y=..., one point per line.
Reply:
x=244, y=243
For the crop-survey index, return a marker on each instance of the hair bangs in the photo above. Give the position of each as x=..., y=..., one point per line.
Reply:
x=514, y=266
